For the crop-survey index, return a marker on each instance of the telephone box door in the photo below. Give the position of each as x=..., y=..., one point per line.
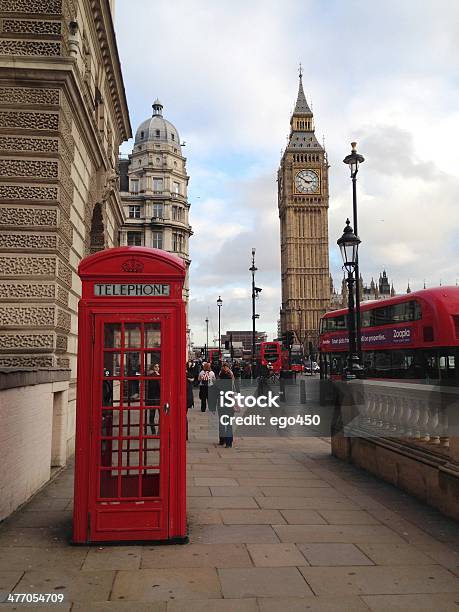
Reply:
x=131, y=399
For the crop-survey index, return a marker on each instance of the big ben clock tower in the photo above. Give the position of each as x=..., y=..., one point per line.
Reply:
x=303, y=213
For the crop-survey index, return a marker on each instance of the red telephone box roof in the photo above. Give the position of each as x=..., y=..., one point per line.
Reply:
x=128, y=260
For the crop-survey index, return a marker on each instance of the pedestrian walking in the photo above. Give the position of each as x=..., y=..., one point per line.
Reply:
x=206, y=380
x=189, y=390
x=225, y=383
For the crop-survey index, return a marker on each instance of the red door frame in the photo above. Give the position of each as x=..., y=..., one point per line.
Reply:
x=143, y=506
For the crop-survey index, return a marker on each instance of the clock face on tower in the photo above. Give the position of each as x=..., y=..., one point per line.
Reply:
x=307, y=181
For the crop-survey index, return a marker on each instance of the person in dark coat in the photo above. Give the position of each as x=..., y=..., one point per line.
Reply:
x=225, y=383
x=189, y=390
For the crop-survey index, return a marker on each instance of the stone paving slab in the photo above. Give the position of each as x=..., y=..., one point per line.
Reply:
x=164, y=584
x=214, y=605
x=303, y=517
x=205, y=516
x=196, y=555
x=377, y=580
x=8, y=580
x=113, y=558
x=117, y=606
x=237, y=534
x=333, y=554
x=252, y=517
x=336, y=533
x=383, y=553
x=23, y=558
x=245, y=491
x=263, y=582
x=307, y=503
x=215, y=482
x=276, y=555
x=313, y=604
x=448, y=602
x=349, y=517
x=222, y=502
x=73, y=584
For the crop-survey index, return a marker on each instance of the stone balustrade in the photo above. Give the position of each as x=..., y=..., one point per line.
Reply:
x=412, y=412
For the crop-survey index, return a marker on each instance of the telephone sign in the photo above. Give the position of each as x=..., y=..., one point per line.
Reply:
x=131, y=398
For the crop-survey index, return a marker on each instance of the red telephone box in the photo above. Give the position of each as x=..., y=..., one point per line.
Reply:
x=131, y=398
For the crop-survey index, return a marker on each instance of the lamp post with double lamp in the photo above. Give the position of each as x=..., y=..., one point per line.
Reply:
x=219, y=304
x=349, y=246
x=353, y=161
x=207, y=338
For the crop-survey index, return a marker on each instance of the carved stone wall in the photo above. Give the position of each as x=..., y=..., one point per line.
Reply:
x=57, y=160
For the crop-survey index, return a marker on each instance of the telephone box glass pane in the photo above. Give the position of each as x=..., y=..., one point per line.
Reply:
x=152, y=338
x=132, y=335
x=130, y=453
x=110, y=423
x=151, y=427
x=112, y=364
x=112, y=335
x=131, y=423
x=130, y=483
x=152, y=363
x=108, y=483
x=150, y=482
x=109, y=456
x=111, y=393
x=133, y=391
x=153, y=392
x=131, y=363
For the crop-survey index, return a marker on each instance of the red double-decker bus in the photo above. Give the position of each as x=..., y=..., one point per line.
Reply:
x=413, y=337
x=271, y=352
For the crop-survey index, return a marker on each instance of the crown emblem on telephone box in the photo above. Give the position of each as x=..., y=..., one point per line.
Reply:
x=132, y=265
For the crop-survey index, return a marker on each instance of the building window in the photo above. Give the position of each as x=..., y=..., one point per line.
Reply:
x=157, y=240
x=134, y=212
x=173, y=136
x=134, y=186
x=177, y=242
x=142, y=134
x=158, y=133
x=158, y=185
x=176, y=187
x=177, y=213
x=157, y=211
x=134, y=238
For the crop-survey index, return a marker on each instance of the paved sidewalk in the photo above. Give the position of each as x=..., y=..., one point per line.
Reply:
x=275, y=523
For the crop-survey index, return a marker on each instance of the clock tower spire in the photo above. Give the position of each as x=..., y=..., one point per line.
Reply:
x=303, y=212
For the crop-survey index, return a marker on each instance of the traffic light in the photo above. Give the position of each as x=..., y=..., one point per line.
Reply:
x=227, y=344
x=288, y=339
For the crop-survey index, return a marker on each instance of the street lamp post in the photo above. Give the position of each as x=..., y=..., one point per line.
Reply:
x=301, y=339
x=207, y=338
x=255, y=292
x=219, y=304
x=349, y=246
x=353, y=161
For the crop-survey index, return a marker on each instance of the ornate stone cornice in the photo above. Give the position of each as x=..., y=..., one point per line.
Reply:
x=106, y=33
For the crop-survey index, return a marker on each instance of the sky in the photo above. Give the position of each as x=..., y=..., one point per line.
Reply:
x=385, y=74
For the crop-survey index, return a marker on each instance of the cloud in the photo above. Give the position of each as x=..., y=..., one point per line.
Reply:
x=384, y=74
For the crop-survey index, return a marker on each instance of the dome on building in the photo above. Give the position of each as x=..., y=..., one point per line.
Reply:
x=156, y=128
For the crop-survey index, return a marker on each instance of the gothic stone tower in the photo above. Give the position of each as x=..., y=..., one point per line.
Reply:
x=303, y=213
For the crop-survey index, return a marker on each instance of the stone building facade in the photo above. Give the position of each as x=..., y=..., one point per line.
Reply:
x=303, y=212
x=153, y=184
x=63, y=115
